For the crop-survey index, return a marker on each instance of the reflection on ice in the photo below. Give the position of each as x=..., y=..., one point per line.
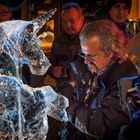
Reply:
x=33, y=107
x=23, y=109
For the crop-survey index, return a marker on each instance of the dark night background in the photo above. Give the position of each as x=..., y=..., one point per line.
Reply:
x=89, y=6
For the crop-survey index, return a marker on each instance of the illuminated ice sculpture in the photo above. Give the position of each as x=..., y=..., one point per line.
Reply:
x=23, y=109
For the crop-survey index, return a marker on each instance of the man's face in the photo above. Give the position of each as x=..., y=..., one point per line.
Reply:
x=72, y=21
x=95, y=59
x=119, y=12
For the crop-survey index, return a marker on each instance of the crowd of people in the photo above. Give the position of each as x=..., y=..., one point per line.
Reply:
x=88, y=61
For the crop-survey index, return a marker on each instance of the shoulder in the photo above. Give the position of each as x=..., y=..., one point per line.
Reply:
x=125, y=69
x=118, y=71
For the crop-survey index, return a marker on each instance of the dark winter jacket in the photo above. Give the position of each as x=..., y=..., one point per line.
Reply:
x=65, y=49
x=99, y=114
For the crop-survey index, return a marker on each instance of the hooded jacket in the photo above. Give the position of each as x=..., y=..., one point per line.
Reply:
x=99, y=115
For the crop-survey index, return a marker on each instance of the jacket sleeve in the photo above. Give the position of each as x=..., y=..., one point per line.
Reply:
x=101, y=121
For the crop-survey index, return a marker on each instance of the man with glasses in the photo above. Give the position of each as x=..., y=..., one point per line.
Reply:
x=98, y=113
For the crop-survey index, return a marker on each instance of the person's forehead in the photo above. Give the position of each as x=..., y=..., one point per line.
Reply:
x=91, y=45
x=72, y=12
x=119, y=4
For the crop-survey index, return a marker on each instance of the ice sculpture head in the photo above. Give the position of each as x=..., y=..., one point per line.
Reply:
x=23, y=34
x=30, y=50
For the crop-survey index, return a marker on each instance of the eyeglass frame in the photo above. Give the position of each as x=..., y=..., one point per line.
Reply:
x=92, y=61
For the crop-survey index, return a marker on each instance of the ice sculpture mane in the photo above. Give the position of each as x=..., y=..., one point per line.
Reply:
x=23, y=109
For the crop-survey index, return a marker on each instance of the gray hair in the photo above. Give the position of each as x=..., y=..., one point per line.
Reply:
x=111, y=38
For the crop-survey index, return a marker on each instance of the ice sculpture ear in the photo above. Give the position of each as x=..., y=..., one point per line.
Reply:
x=41, y=20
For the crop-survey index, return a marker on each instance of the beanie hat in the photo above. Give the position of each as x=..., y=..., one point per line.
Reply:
x=69, y=5
x=109, y=3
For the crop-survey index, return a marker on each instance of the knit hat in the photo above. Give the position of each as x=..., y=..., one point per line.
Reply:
x=110, y=3
x=69, y=5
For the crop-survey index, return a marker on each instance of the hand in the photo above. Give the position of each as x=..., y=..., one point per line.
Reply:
x=57, y=71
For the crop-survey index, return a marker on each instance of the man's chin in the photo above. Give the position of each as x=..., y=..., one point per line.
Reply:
x=92, y=70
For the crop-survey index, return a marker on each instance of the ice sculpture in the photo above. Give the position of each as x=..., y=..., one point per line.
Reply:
x=23, y=109
x=27, y=47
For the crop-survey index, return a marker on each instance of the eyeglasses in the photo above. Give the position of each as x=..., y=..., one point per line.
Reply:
x=91, y=59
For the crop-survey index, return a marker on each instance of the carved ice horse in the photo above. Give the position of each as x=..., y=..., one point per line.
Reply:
x=23, y=109
x=27, y=47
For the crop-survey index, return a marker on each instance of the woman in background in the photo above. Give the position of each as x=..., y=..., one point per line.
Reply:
x=117, y=11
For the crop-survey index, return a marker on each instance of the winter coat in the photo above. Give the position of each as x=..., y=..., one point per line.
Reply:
x=65, y=49
x=98, y=113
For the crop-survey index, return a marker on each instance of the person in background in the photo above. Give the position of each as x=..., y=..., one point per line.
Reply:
x=66, y=47
x=5, y=13
x=117, y=11
x=65, y=50
x=97, y=114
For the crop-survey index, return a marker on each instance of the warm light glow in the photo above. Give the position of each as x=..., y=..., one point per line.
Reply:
x=134, y=13
x=47, y=39
x=50, y=25
x=46, y=45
